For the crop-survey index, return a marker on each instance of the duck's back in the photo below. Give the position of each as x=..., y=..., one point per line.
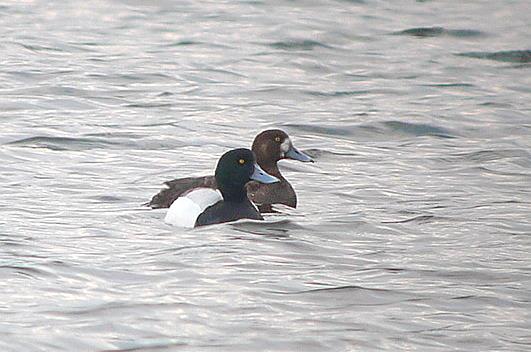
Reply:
x=225, y=211
x=264, y=195
x=178, y=187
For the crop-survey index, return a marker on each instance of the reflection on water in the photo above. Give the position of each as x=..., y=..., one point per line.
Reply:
x=412, y=231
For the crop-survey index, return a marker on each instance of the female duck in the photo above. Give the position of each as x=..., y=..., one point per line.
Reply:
x=206, y=206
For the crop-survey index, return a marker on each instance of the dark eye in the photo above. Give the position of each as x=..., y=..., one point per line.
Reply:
x=277, y=139
x=241, y=161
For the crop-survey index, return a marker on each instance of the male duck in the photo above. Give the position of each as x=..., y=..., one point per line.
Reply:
x=269, y=146
x=206, y=206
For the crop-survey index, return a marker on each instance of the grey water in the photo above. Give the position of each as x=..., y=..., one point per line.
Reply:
x=413, y=230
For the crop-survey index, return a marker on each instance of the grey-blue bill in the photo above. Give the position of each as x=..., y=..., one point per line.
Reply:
x=262, y=176
x=295, y=154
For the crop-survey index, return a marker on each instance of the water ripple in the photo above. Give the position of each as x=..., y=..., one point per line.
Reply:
x=412, y=226
x=514, y=56
x=61, y=143
x=396, y=129
x=301, y=44
x=440, y=31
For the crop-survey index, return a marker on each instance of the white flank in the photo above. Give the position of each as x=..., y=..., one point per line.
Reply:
x=185, y=210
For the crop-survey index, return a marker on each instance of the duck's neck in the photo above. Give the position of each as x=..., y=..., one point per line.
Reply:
x=271, y=168
x=233, y=194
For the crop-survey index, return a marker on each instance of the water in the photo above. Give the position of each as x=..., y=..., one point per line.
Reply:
x=413, y=227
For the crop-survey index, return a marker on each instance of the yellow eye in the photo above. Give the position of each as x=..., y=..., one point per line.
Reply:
x=277, y=139
x=241, y=161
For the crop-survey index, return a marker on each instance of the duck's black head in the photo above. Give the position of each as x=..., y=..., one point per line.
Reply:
x=271, y=146
x=235, y=168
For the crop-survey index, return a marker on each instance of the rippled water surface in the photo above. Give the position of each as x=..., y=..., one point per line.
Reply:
x=413, y=229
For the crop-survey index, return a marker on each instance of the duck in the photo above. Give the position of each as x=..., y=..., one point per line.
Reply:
x=270, y=146
x=229, y=202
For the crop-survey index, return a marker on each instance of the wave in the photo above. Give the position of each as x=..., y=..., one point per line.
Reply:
x=385, y=128
x=516, y=56
x=61, y=143
x=304, y=44
x=440, y=32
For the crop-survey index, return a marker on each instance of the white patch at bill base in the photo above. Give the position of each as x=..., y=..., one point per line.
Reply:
x=284, y=147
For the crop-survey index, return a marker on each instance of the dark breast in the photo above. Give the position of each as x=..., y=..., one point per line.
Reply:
x=227, y=211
